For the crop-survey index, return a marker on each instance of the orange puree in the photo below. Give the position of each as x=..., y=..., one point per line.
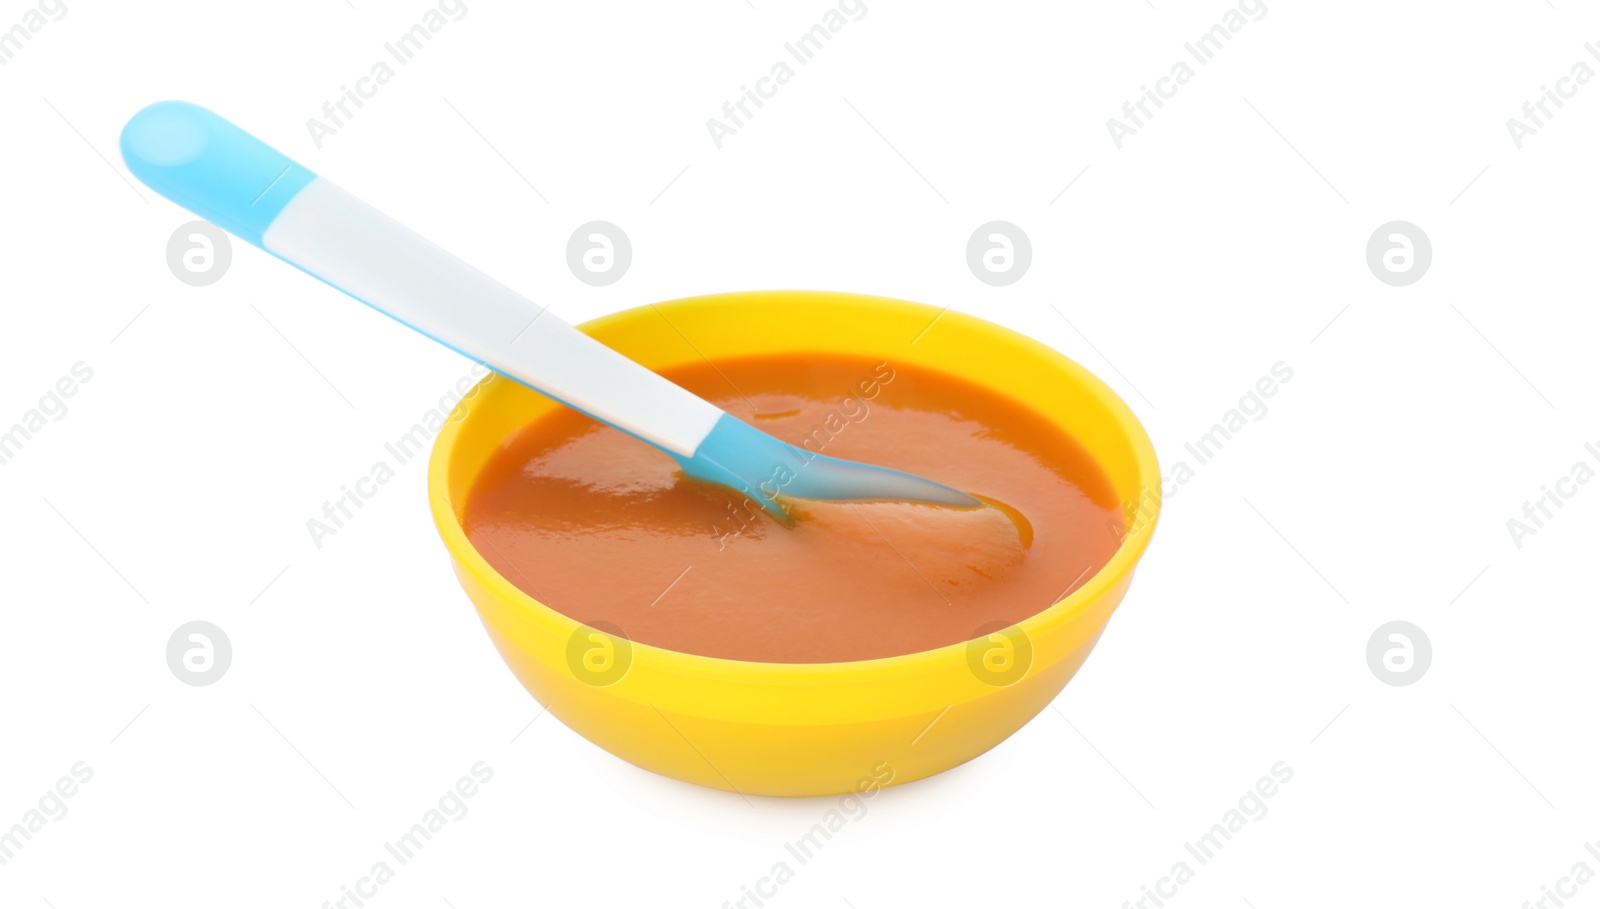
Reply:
x=605, y=529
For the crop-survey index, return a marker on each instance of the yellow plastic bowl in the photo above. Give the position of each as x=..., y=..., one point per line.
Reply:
x=817, y=728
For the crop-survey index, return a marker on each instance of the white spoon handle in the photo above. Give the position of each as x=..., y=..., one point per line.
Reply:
x=351, y=245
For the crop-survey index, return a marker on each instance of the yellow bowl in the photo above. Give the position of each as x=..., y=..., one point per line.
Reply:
x=817, y=728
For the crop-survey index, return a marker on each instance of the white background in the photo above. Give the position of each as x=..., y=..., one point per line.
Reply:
x=1223, y=238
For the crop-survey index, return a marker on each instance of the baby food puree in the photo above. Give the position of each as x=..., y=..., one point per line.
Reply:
x=616, y=536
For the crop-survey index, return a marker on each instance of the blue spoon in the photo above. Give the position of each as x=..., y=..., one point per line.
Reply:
x=236, y=181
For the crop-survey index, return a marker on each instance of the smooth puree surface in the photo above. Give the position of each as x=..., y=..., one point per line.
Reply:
x=605, y=529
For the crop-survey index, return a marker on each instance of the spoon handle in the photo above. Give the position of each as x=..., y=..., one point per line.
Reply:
x=234, y=180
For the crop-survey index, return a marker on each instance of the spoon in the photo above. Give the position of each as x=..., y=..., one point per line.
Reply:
x=237, y=182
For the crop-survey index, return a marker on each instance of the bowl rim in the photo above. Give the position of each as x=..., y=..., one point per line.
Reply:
x=1059, y=614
